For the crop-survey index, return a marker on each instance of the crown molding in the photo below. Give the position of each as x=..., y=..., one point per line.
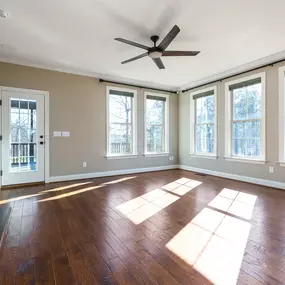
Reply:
x=239, y=69
x=119, y=79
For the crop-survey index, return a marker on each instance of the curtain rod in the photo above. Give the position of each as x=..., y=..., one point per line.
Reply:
x=237, y=74
x=137, y=86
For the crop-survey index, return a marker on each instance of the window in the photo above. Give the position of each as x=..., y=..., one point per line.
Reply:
x=203, y=122
x=121, y=138
x=156, y=123
x=245, y=118
x=282, y=116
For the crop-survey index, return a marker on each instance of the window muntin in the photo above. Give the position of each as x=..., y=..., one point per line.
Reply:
x=156, y=124
x=247, y=117
x=120, y=122
x=205, y=124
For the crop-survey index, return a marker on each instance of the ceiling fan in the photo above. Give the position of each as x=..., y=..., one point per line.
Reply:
x=156, y=52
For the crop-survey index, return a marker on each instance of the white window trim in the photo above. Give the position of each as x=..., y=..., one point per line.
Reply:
x=207, y=156
x=166, y=134
x=134, y=154
x=281, y=105
x=228, y=121
x=193, y=152
x=121, y=156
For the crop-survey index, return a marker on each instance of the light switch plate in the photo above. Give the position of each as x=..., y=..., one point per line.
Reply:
x=65, y=134
x=57, y=134
x=271, y=169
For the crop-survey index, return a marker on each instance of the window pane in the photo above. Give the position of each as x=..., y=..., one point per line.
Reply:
x=155, y=138
x=239, y=104
x=155, y=112
x=205, y=138
x=252, y=129
x=120, y=137
x=247, y=147
x=205, y=109
x=239, y=147
x=254, y=109
x=239, y=130
x=247, y=108
x=120, y=109
x=155, y=125
x=253, y=148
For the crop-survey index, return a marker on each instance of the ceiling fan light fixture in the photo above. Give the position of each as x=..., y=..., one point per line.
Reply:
x=155, y=54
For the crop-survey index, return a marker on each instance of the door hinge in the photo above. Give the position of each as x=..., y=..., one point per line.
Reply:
x=1, y=172
x=0, y=102
x=0, y=137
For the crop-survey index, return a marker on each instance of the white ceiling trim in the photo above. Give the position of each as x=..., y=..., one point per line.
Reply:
x=117, y=79
x=240, y=69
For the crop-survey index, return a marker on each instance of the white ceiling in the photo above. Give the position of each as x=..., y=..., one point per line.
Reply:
x=78, y=36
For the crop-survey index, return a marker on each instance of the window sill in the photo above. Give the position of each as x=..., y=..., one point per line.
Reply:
x=246, y=160
x=156, y=154
x=121, y=156
x=200, y=155
x=281, y=163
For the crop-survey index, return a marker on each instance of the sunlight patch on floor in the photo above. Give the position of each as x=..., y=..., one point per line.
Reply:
x=235, y=202
x=19, y=198
x=142, y=208
x=65, y=187
x=65, y=195
x=214, y=242
x=119, y=180
x=145, y=206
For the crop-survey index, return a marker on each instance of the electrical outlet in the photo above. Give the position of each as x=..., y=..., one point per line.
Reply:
x=84, y=164
x=171, y=157
x=271, y=169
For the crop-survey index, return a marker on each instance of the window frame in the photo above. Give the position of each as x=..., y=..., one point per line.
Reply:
x=134, y=153
x=166, y=125
x=193, y=152
x=229, y=121
x=281, y=105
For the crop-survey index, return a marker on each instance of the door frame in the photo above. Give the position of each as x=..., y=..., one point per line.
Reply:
x=46, y=124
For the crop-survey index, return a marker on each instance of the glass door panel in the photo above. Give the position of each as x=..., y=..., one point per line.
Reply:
x=23, y=150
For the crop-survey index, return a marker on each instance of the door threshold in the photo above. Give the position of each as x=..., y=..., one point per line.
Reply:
x=24, y=185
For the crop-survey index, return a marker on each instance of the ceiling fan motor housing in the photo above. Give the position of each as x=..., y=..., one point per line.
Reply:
x=155, y=52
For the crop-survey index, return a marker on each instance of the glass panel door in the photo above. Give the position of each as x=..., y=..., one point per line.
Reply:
x=23, y=137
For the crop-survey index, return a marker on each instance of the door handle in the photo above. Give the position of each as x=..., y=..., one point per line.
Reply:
x=41, y=142
x=41, y=136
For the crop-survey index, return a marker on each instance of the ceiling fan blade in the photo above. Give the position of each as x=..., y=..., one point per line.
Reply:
x=180, y=53
x=169, y=38
x=132, y=43
x=159, y=63
x=135, y=58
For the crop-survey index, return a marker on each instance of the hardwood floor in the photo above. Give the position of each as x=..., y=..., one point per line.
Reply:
x=169, y=227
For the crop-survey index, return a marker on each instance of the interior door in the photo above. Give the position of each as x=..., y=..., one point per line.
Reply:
x=23, y=145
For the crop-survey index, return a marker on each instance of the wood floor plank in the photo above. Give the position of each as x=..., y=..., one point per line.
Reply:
x=63, y=271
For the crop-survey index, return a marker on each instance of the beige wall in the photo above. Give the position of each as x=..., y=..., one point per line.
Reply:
x=78, y=105
x=220, y=164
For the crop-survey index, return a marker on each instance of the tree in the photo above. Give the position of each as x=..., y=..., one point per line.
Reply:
x=155, y=123
x=120, y=115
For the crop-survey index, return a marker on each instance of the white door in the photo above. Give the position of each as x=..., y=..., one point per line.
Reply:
x=23, y=148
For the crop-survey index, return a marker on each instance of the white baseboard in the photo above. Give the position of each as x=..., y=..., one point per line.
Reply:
x=258, y=181
x=109, y=173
